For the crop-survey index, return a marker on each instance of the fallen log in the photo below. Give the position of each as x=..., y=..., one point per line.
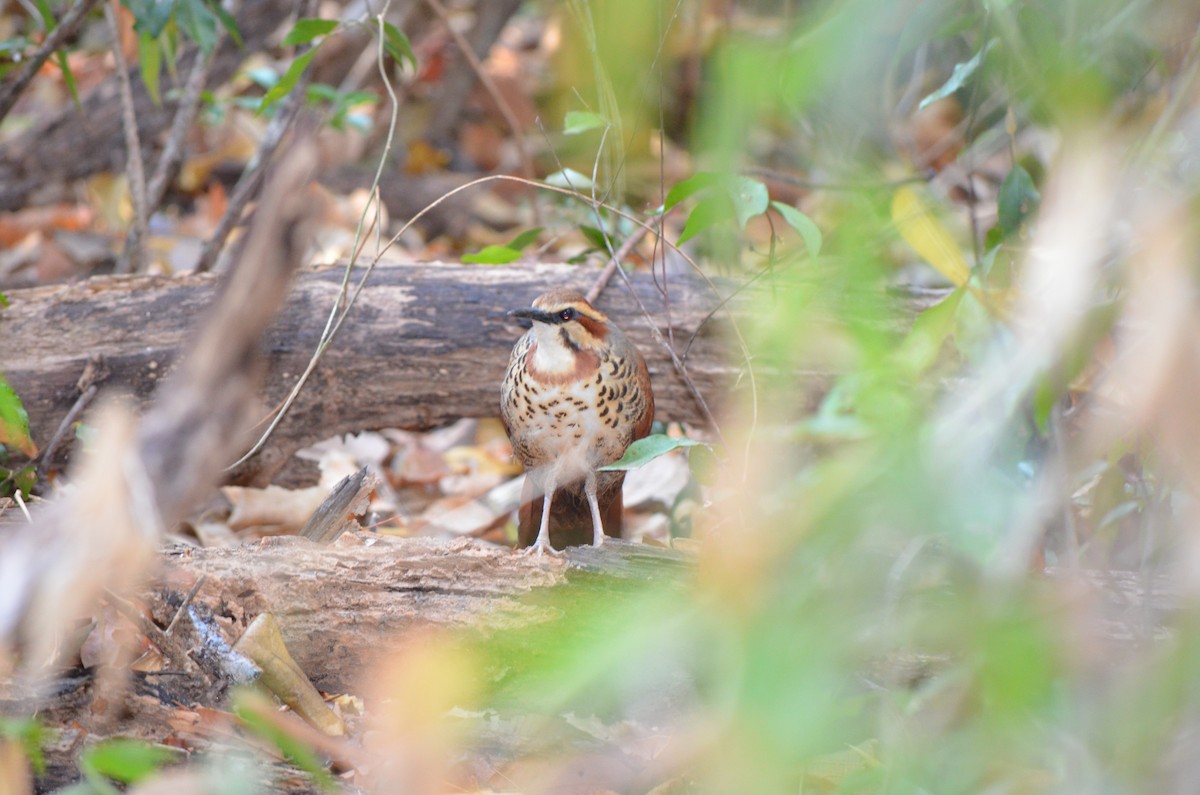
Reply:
x=341, y=607
x=424, y=345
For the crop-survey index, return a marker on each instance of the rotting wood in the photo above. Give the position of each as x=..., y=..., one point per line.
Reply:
x=341, y=606
x=348, y=500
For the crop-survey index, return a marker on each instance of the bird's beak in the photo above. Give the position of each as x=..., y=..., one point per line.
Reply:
x=532, y=315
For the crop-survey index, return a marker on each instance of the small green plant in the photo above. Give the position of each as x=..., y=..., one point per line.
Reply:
x=502, y=255
x=159, y=26
x=315, y=32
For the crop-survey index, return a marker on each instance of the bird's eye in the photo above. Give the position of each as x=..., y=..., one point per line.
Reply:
x=567, y=314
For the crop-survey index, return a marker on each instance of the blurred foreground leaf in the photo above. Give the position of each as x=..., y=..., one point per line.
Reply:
x=1018, y=198
x=579, y=121
x=31, y=735
x=126, y=760
x=305, y=30
x=810, y=233
x=254, y=710
x=922, y=230
x=962, y=72
x=398, y=45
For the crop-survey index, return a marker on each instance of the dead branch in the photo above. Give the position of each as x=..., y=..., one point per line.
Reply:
x=139, y=480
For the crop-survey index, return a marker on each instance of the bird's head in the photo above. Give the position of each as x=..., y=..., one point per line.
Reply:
x=565, y=320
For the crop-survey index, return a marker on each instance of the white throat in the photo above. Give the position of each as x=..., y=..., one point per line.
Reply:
x=551, y=354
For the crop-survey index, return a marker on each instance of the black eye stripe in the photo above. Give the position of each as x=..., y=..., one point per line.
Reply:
x=567, y=315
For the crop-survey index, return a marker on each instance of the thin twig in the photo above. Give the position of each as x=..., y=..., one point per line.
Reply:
x=10, y=93
x=800, y=182
x=172, y=650
x=614, y=262
x=187, y=600
x=21, y=504
x=131, y=257
x=489, y=85
x=185, y=113
x=172, y=153
x=248, y=183
x=82, y=402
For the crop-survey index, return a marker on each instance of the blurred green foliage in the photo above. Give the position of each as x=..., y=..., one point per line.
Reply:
x=871, y=573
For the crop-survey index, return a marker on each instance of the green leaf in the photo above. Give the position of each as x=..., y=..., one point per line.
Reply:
x=227, y=21
x=398, y=45
x=578, y=121
x=150, y=16
x=60, y=57
x=353, y=98
x=569, y=178
x=643, y=451
x=689, y=187
x=810, y=233
x=126, y=760
x=750, y=198
x=263, y=76
x=14, y=47
x=525, y=238
x=305, y=30
x=199, y=22
x=1046, y=393
x=14, y=422
x=14, y=480
x=322, y=91
x=492, y=255
x=1018, y=198
x=295, y=751
x=3, y=300
x=289, y=80
x=150, y=61
x=962, y=72
x=47, y=14
x=68, y=76
x=31, y=735
x=707, y=213
x=929, y=331
x=595, y=237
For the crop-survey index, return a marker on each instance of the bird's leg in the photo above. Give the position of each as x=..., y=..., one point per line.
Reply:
x=542, y=544
x=589, y=487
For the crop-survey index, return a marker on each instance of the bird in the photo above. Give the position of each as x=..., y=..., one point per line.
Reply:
x=576, y=394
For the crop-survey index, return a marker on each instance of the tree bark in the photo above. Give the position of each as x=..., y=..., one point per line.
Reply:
x=424, y=345
x=341, y=607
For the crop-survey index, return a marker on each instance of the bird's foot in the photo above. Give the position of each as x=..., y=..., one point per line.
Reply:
x=540, y=548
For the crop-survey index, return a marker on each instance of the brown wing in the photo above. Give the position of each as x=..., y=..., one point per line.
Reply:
x=642, y=428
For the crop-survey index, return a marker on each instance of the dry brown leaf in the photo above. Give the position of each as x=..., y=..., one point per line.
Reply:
x=17, y=225
x=286, y=510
